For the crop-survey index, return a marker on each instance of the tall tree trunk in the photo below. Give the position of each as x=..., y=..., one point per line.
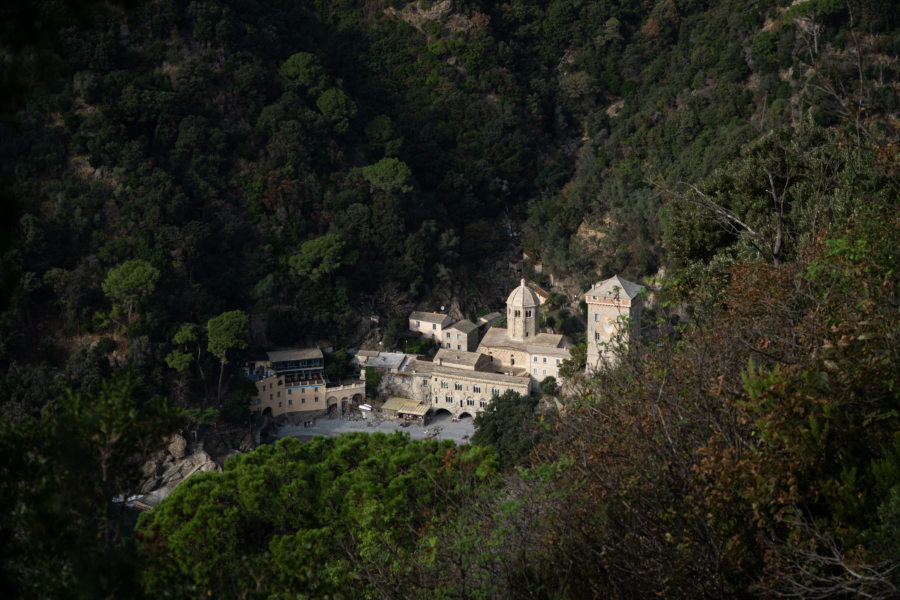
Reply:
x=219, y=391
x=779, y=234
x=202, y=374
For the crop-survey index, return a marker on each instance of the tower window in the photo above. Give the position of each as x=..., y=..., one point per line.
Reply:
x=527, y=313
x=517, y=313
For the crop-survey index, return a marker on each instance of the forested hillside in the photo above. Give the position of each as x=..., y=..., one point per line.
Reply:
x=184, y=181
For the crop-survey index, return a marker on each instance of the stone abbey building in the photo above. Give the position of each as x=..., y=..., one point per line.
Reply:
x=517, y=357
x=469, y=369
x=463, y=382
x=521, y=345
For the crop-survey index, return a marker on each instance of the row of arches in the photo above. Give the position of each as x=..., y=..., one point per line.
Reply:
x=443, y=413
x=332, y=403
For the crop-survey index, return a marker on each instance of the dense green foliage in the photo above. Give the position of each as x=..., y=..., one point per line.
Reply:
x=343, y=517
x=62, y=535
x=757, y=453
x=306, y=161
x=510, y=426
x=373, y=380
x=191, y=180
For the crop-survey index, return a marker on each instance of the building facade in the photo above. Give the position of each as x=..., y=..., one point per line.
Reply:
x=462, y=335
x=518, y=357
x=430, y=324
x=293, y=381
x=614, y=318
x=521, y=345
x=461, y=383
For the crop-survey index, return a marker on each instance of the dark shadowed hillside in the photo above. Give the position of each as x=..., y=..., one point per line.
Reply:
x=186, y=184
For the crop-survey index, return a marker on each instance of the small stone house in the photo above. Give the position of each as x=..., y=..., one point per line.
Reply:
x=462, y=335
x=429, y=324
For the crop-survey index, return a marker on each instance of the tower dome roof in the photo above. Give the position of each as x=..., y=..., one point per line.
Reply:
x=523, y=296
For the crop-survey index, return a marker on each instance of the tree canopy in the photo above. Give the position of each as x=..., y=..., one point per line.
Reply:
x=321, y=257
x=388, y=175
x=63, y=535
x=226, y=332
x=316, y=516
x=129, y=282
x=510, y=426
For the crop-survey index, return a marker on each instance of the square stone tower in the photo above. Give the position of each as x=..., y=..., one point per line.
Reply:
x=614, y=317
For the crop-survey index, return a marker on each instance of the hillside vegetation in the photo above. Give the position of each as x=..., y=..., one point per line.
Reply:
x=185, y=181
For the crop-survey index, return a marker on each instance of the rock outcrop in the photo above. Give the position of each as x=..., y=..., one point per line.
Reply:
x=204, y=450
x=165, y=471
x=442, y=12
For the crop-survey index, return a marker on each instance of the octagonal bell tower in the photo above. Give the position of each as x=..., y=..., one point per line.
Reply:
x=523, y=318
